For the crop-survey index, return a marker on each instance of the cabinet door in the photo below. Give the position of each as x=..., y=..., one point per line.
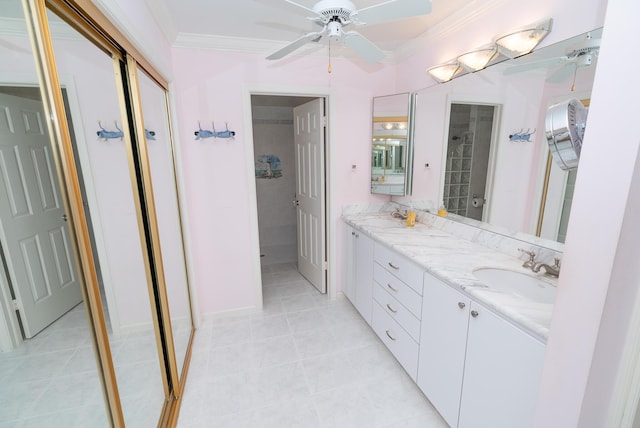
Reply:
x=445, y=316
x=363, y=256
x=349, y=286
x=502, y=373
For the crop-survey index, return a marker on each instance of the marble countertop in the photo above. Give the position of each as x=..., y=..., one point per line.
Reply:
x=453, y=259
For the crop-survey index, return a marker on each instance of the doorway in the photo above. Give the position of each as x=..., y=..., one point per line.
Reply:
x=469, y=140
x=289, y=154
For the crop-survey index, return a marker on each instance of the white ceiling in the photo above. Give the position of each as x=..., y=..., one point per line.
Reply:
x=281, y=22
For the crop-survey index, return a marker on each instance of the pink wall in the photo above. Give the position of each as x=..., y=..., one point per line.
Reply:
x=580, y=364
x=214, y=86
x=599, y=284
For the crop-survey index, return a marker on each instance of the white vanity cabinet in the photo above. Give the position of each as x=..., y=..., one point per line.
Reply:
x=502, y=373
x=477, y=369
x=359, y=283
x=397, y=305
x=445, y=319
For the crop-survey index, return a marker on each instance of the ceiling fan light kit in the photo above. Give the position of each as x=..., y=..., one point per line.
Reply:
x=334, y=15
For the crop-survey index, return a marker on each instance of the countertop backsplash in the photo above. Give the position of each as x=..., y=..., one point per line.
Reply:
x=488, y=235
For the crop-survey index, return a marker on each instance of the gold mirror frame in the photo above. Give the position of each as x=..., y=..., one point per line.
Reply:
x=83, y=16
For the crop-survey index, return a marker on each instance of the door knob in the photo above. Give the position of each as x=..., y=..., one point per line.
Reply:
x=296, y=203
x=64, y=217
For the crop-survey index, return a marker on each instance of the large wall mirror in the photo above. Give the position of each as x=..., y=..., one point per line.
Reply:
x=392, y=149
x=526, y=188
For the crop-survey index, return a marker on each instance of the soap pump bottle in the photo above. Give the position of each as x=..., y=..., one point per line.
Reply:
x=442, y=211
x=411, y=216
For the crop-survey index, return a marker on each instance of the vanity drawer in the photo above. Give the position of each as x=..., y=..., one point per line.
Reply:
x=400, y=266
x=401, y=345
x=397, y=311
x=399, y=290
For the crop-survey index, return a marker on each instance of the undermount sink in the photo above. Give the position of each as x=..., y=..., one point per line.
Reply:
x=517, y=284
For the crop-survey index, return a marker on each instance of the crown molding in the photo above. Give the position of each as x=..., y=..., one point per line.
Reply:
x=13, y=27
x=452, y=24
x=17, y=27
x=262, y=46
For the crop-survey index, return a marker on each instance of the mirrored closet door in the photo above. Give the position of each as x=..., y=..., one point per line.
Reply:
x=95, y=156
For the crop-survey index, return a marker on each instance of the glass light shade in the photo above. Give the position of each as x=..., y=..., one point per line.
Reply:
x=444, y=73
x=524, y=41
x=478, y=59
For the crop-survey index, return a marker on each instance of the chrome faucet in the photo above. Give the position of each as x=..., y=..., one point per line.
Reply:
x=532, y=259
x=398, y=214
x=548, y=270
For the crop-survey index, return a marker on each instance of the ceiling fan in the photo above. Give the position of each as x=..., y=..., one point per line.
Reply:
x=334, y=15
x=579, y=55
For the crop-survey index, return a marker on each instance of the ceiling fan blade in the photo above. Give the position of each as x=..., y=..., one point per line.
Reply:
x=363, y=47
x=520, y=68
x=310, y=37
x=301, y=6
x=562, y=73
x=391, y=10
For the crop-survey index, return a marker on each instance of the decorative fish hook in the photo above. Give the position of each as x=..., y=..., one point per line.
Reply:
x=205, y=133
x=105, y=135
x=522, y=135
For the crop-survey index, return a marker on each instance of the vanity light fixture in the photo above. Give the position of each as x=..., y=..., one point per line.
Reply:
x=478, y=59
x=444, y=72
x=524, y=40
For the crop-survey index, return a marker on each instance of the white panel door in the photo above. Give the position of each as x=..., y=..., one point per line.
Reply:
x=309, y=159
x=34, y=234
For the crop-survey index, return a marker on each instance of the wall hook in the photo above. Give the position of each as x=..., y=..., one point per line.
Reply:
x=522, y=135
x=205, y=133
x=105, y=135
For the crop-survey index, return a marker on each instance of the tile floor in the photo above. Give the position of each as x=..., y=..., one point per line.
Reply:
x=52, y=381
x=303, y=361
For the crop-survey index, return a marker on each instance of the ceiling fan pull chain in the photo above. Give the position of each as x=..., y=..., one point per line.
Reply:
x=329, y=69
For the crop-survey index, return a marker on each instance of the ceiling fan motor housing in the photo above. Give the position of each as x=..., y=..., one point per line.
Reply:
x=335, y=11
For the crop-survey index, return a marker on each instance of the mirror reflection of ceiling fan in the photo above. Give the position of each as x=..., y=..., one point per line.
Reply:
x=580, y=55
x=335, y=15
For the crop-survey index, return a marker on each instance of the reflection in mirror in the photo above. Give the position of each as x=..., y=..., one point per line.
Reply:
x=470, y=138
x=88, y=75
x=161, y=161
x=48, y=368
x=391, y=153
x=524, y=87
x=557, y=196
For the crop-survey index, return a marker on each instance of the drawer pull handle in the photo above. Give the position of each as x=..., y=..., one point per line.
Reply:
x=474, y=314
x=461, y=305
x=395, y=311
x=394, y=266
x=392, y=288
x=390, y=337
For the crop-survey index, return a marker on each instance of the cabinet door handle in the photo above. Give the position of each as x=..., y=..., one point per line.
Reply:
x=461, y=305
x=474, y=314
x=390, y=337
x=394, y=266
x=395, y=311
x=392, y=288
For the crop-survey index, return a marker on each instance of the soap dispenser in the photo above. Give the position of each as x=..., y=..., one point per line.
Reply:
x=411, y=216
